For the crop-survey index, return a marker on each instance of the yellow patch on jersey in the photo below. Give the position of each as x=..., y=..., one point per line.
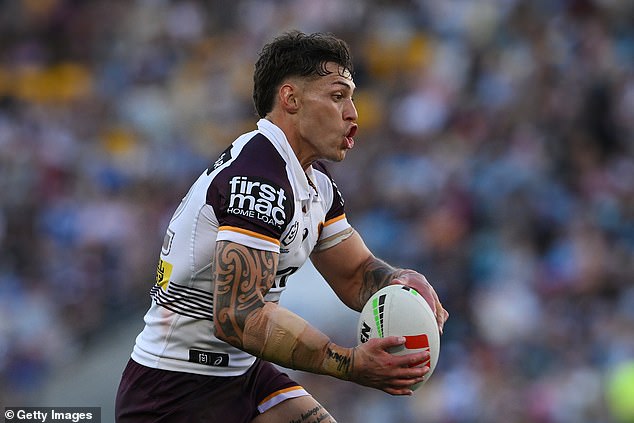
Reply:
x=163, y=273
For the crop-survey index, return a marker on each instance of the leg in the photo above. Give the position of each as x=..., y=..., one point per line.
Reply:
x=303, y=409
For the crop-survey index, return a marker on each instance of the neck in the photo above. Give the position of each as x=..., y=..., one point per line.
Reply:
x=289, y=127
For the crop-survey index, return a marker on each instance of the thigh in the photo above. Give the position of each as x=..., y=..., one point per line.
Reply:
x=161, y=396
x=147, y=394
x=304, y=409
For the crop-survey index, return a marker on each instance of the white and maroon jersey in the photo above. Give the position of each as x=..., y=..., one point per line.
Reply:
x=258, y=195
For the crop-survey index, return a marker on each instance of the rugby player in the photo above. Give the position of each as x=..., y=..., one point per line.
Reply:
x=254, y=217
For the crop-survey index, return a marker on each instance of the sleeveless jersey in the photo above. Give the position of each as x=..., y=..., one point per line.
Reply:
x=258, y=195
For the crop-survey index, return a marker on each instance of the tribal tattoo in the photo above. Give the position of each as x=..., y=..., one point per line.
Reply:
x=243, y=276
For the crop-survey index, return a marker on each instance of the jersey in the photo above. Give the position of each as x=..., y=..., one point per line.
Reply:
x=256, y=194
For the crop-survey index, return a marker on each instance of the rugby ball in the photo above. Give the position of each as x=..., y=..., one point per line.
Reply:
x=398, y=310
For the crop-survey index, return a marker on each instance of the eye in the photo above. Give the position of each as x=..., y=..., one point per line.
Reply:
x=337, y=96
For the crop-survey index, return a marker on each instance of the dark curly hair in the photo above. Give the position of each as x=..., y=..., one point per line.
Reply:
x=295, y=54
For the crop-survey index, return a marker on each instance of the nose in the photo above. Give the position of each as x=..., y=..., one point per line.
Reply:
x=350, y=112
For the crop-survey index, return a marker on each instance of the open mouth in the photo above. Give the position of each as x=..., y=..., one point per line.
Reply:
x=349, y=137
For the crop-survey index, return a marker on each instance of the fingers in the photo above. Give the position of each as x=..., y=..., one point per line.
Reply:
x=390, y=342
x=405, y=390
x=403, y=386
x=395, y=374
x=441, y=317
x=399, y=391
x=419, y=283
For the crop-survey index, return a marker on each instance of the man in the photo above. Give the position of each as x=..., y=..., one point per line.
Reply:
x=252, y=219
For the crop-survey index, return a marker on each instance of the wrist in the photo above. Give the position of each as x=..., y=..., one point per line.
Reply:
x=338, y=361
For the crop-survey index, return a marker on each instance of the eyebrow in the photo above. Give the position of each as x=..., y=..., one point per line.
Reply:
x=348, y=85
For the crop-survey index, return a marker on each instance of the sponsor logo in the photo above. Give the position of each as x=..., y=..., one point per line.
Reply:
x=365, y=333
x=209, y=358
x=378, y=309
x=257, y=199
x=163, y=273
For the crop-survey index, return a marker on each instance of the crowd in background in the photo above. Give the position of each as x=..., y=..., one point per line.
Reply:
x=495, y=155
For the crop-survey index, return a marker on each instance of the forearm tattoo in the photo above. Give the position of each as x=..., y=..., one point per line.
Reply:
x=318, y=414
x=344, y=362
x=242, y=277
x=376, y=275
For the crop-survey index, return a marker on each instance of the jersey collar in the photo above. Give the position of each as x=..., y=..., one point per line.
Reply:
x=274, y=134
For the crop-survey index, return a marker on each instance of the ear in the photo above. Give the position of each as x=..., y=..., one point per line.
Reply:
x=288, y=96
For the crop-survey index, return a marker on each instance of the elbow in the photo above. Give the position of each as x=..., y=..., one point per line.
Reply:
x=226, y=327
x=352, y=302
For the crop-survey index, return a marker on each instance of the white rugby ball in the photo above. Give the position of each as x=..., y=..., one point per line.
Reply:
x=398, y=310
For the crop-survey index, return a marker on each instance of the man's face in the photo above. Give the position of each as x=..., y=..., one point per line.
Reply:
x=327, y=118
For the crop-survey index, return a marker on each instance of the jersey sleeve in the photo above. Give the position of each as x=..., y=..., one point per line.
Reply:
x=252, y=198
x=335, y=227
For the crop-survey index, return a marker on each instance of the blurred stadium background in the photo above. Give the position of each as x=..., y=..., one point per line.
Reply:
x=495, y=155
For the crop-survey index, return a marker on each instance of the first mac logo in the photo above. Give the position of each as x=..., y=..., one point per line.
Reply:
x=258, y=199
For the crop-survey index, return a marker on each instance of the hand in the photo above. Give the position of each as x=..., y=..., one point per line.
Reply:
x=423, y=287
x=375, y=367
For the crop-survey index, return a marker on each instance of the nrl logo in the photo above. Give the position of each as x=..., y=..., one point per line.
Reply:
x=291, y=235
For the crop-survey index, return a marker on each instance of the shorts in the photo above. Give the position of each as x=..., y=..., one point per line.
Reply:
x=154, y=395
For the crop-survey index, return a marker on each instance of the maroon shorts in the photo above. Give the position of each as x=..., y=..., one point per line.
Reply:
x=154, y=395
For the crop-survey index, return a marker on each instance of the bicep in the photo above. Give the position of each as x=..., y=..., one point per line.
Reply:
x=242, y=277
